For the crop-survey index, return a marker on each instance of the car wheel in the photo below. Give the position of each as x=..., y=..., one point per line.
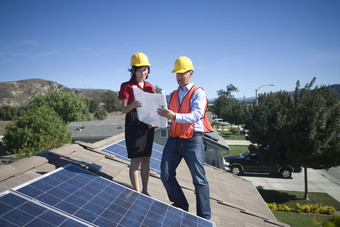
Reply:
x=286, y=173
x=236, y=170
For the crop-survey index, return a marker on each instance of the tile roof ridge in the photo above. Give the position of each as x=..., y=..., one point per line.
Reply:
x=108, y=141
x=20, y=166
x=23, y=165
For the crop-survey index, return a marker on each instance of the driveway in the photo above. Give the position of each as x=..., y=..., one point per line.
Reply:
x=238, y=142
x=318, y=181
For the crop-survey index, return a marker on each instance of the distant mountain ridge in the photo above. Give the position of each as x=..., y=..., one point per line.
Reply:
x=335, y=88
x=22, y=92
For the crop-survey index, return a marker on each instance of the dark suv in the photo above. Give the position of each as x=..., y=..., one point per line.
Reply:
x=249, y=162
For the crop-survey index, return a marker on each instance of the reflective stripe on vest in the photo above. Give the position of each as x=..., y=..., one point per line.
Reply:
x=185, y=130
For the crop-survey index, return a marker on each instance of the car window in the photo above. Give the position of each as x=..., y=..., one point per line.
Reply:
x=253, y=156
x=244, y=154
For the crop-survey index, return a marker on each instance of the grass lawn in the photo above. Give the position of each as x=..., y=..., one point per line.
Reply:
x=291, y=198
x=229, y=136
x=296, y=220
x=237, y=149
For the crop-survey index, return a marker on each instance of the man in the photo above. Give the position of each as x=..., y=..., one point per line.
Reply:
x=186, y=109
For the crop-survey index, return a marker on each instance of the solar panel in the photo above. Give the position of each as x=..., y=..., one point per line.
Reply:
x=16, y=210
x=119, y=149
x=74, y=195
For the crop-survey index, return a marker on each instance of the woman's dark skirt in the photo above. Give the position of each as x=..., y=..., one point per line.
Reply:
x=138, y=136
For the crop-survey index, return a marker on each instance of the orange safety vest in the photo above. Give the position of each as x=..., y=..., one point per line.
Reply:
x=186, y=130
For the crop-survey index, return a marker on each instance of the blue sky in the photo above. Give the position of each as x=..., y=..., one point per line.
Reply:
x=247, y=43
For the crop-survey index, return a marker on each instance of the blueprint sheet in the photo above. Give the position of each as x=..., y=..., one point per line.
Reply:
x=150, y=103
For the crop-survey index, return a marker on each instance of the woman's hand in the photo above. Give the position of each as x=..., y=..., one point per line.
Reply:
x=135, y=104
x=127, y=108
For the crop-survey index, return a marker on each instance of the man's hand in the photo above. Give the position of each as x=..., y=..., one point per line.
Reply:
x=165, y=112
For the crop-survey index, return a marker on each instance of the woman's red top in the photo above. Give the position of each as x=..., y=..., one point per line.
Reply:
x=126, y=91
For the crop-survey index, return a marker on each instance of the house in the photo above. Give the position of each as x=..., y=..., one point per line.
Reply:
x=215, y=149
x=92, y=131
x=234, y=201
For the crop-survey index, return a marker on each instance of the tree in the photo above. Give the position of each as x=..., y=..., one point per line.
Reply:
x=39, y=129
x=227, y=93
x=317, y=138
x=8, y=113
x=230, y=109
x=219, y=103
x=69, y=106
x=303, y=128
x=158, y=90
x=269, y=127
x=93, y=105
x=111, y=102
x=235, y=112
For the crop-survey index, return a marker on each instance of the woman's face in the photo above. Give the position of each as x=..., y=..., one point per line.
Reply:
x=141, y=73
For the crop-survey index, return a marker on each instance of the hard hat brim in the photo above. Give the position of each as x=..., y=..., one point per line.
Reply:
x=181, y=70
x=138, y=65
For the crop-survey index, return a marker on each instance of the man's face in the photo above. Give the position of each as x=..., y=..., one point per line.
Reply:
x=183, y=79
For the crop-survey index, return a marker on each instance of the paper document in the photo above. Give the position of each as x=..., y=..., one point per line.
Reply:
x=150, y=103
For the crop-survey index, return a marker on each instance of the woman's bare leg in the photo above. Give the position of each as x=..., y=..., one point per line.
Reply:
x=145, y=173
x=134, y=173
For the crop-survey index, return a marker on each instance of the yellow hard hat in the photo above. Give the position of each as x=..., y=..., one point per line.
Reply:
x=182, y=64
x=139, y=59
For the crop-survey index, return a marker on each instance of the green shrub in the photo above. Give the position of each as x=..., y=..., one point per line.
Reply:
x=307, y=208
x=272, y=206
x=234, y=131
x=332, y=221
x=327, y=210
x=284, y=208
x=101, y=114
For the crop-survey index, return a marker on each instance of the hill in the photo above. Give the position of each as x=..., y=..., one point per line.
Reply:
x=22, y=92
x=335, y=88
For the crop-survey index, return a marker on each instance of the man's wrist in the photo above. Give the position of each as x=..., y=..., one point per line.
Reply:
x=174, y=117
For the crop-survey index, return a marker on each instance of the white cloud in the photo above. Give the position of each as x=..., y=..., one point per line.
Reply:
x=43, y=54
x=8, y=55
x=29, y=42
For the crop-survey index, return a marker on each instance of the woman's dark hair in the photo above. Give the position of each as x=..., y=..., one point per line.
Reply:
x=135, y=68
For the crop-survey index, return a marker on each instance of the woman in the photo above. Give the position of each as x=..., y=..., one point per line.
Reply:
x=138, y=135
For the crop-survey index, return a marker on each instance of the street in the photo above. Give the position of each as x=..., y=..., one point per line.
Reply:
x=318, y=181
